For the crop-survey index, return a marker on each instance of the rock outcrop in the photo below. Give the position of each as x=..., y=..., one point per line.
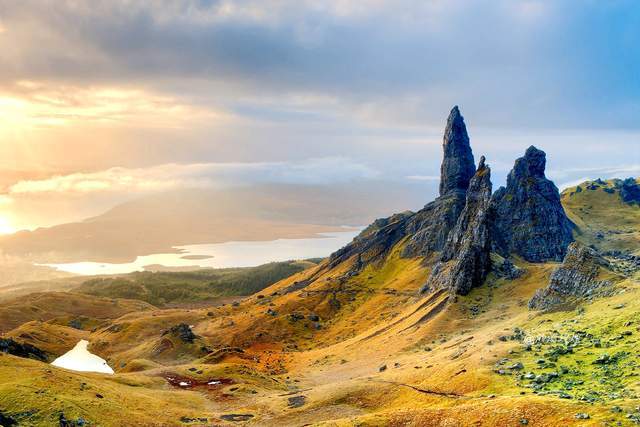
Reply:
x=577, y=277
x=465, y=260
x=373, y=243
x=529, y=218
x=630, y=191
x=181, y=331
x=8, y=345
x=428, y=228
x=458, y=166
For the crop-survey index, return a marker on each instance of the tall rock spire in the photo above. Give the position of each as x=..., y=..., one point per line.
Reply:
x=457, y=166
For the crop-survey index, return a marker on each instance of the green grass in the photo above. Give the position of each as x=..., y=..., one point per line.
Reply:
x=165, y=288
x=588, y=355
x=601, y=217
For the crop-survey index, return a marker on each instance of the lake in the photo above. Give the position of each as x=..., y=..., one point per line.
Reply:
x=80, y=359
x=223, y=255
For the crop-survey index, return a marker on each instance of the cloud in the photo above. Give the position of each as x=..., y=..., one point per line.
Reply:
x=423, y=177
x=201, y=175
x=29, y=104
x=375, y=58
x=567, y=176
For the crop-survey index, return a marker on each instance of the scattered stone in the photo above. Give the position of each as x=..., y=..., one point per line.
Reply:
x=193, y=420
x=236, y=417
x=75, y=324
x=582, y=416
x=297, y=401
x=382, y=368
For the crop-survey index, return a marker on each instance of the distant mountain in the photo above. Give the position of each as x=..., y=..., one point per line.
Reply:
x=155, y=223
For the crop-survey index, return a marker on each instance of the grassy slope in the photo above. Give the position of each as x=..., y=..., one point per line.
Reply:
x=596, y=211
x=166, y=288
x=64, y=306
x=441, y=355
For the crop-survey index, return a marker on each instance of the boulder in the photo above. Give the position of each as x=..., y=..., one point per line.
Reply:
x=529, y=219
x=181, y=331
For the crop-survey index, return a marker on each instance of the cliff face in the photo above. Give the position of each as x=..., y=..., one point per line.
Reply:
x=577, y=277
x=529, y=219
x=465, y=260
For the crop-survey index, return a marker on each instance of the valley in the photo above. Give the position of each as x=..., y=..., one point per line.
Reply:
x=507, y=308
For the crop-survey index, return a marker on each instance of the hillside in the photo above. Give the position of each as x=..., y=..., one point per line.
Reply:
x=482, y=308
x=604, y=219
x=206, y=286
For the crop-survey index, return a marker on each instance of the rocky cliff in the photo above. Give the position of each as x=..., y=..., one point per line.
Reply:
x=465, y=260
x=577, y=277
x=529, y=219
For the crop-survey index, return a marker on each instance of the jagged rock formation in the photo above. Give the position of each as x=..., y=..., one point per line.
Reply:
x=529, y=219
x=428, y=228
x=577, y=277
x=458, y=166
x=465, y=260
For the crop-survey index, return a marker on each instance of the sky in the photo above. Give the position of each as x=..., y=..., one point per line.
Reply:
x=104, y=100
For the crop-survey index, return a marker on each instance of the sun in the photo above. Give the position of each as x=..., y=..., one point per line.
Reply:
x=5, y=226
